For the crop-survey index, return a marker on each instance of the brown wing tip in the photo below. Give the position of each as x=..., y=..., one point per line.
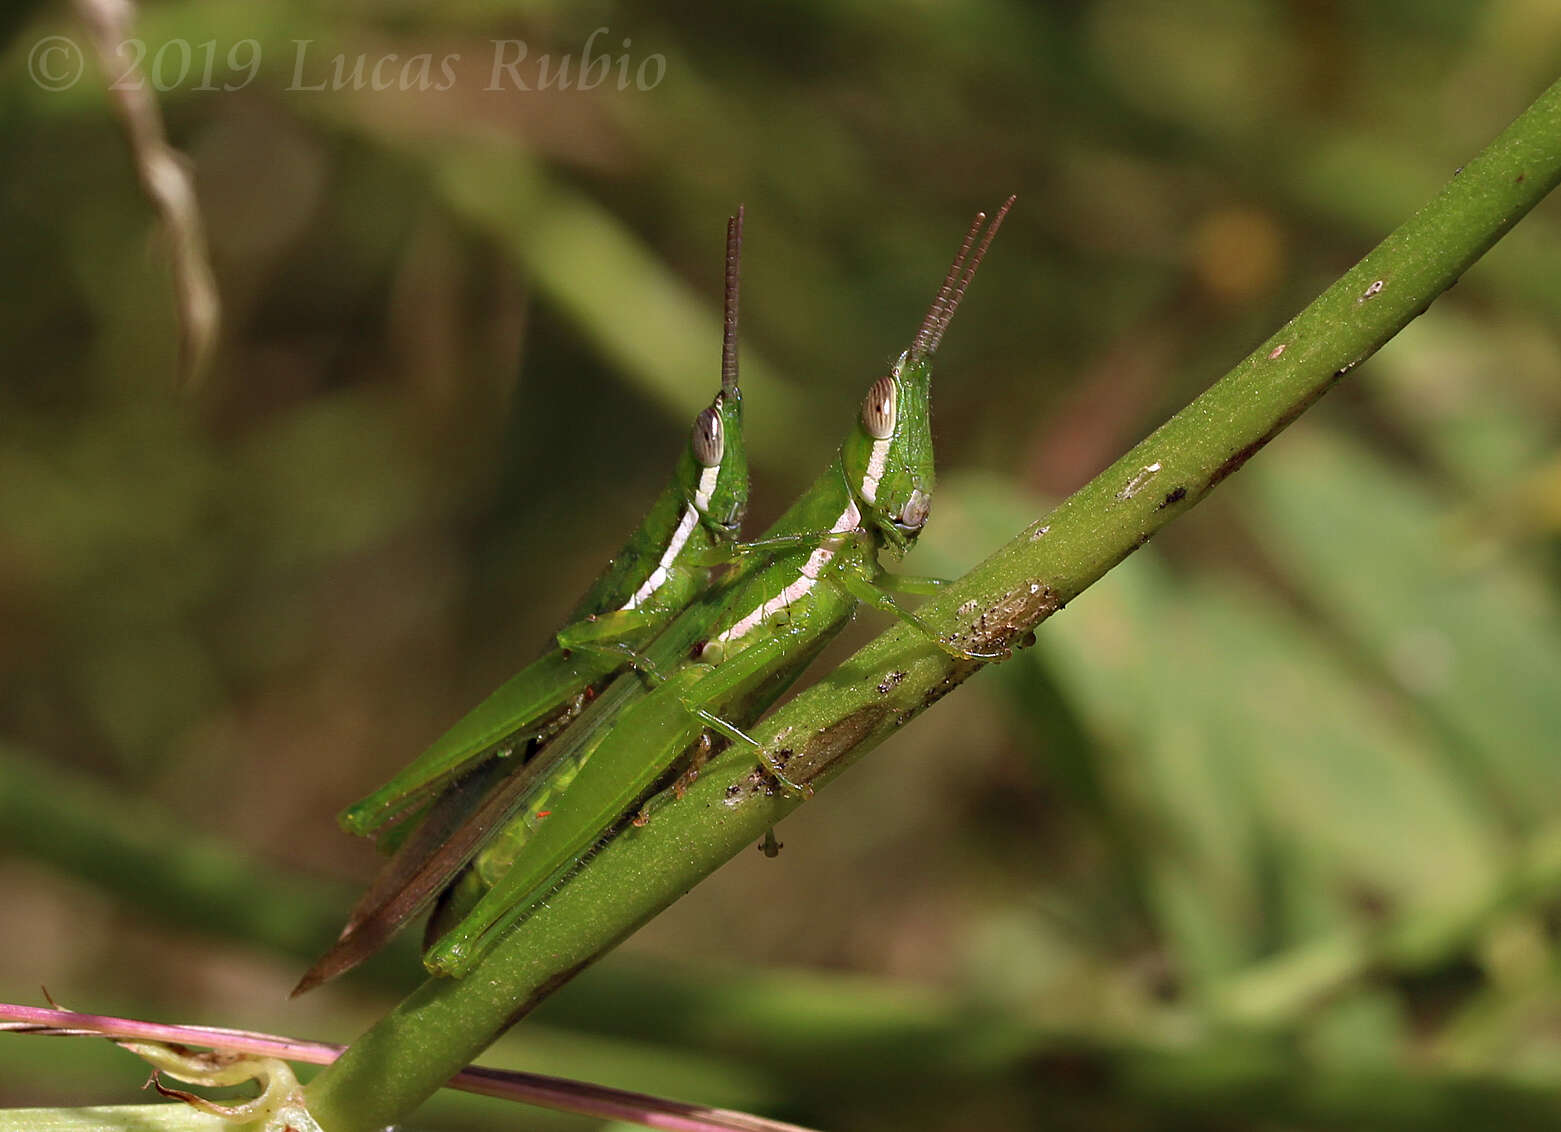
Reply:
x=342, y=957
x=313, y=977
x=358, y=941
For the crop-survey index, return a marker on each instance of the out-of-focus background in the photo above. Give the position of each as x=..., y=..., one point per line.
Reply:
x=1265, y=834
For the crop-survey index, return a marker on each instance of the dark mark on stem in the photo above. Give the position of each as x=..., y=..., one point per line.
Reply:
x=1247, y=451
x=544, y=989
x=890, y=682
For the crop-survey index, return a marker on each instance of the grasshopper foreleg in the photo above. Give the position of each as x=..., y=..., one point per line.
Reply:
x=736, y=734
x=605, y=634
x=873, y=593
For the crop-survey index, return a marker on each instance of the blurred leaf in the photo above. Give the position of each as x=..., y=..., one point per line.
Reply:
x=1472, y=640
x=1269, y=794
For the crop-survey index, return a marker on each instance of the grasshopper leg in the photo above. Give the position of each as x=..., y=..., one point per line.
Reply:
x=605, y=634
x=697, y=758
x=737, y=735
x=910, y=583
x=720, y=556
x=696, y=763
x=872, y=593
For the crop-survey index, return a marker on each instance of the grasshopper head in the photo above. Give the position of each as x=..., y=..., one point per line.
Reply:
x=718, y=465
x=888, y=459
x=717, y=480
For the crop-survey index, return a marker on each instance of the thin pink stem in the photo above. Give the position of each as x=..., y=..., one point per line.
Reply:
x=509, y=1084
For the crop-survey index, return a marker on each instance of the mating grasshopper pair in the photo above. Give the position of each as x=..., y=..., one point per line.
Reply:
x=657, y=661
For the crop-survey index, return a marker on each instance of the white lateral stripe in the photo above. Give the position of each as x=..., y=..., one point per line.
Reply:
x=706, y=487
x=807, y=577
x=875, y=462
x=658, y=576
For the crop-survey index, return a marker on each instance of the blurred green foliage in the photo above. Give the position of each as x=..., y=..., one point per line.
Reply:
x=1267, y=831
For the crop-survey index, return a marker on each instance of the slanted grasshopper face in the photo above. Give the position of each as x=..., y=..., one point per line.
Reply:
x=715, y=471
x=888, y=459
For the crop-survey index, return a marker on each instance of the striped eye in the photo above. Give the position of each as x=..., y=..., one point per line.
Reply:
x=879, y=409
x=709, y=439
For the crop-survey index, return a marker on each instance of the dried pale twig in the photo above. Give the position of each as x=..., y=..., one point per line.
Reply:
x=166, y=178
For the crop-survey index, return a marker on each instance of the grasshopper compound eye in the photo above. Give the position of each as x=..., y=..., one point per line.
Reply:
x=709, y=440
x=913, y=516
x=878, y=410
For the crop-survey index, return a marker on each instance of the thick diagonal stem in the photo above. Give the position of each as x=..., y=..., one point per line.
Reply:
x=445, y=1023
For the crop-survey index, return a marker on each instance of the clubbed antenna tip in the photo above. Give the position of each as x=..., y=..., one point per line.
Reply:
x=961, y=272
x=734, y=256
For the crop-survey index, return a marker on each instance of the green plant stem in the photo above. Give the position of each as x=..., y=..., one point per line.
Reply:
x=444, y=1024
x=142, y=856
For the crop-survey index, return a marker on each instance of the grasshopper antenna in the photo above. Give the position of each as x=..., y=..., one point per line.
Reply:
x=930, y=324
x=734, y=257
x=961, y=272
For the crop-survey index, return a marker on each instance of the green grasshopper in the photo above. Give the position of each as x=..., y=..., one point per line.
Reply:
x=798, y=587
x=665, y=565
